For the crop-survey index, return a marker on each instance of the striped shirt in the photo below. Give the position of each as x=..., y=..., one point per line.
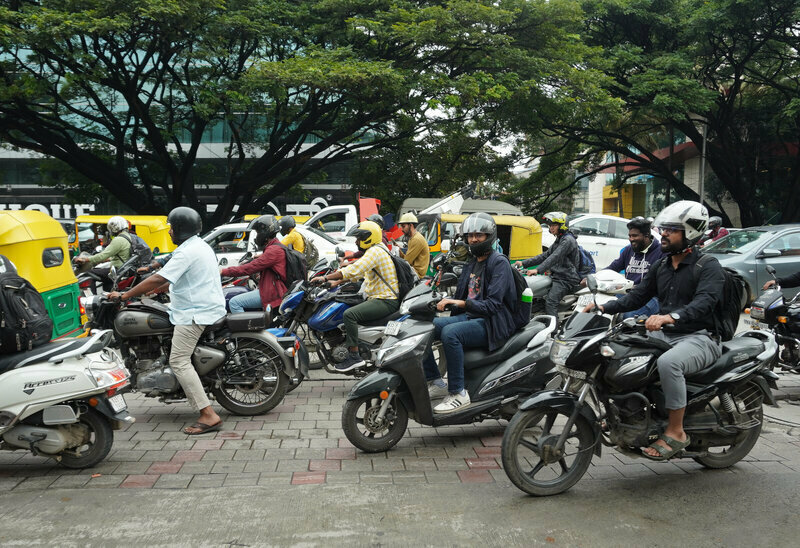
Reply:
x=375, y=258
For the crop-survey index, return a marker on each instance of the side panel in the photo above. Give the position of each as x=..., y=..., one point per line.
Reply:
x=62, y=307
x=34, y=387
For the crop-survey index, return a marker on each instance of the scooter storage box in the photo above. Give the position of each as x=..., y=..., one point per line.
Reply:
x=248, y=321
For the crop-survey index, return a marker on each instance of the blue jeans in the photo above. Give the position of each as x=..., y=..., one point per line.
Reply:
x=246, y=301
x=456, y=333
x=647, y=310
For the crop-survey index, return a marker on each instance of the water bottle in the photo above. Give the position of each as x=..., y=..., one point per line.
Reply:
x=527, y=296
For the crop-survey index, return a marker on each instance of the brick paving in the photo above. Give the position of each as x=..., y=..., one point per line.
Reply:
x=301, y=442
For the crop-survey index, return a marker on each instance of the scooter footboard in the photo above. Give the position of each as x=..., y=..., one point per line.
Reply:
x=565, y=403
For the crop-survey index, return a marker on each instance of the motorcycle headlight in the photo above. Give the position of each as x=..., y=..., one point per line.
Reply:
x=561, y=350
x=399, y=349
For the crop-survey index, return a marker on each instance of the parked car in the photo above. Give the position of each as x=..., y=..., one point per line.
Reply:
x=750, y=250
x=231, y=241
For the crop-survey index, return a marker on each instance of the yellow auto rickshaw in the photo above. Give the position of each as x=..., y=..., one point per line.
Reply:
x=37, y=245
x=90, y=232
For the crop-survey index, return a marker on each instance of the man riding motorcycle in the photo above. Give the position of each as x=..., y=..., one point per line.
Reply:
x=687, y=300
x=116, y=253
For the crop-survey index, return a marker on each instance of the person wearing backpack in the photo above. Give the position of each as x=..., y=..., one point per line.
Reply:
x=116, y=253
x=292, y=238
x=562, y=259
x=271, y=265
x=689, y=287
x=485, y=302
x=381, y=288
x=636, y=259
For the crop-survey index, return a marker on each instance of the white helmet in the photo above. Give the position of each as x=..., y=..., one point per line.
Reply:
x=116, y=225
x=691, y=217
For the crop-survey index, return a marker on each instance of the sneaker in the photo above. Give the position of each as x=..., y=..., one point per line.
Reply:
x=436, y=392
x=352, y=361
x=453, y=402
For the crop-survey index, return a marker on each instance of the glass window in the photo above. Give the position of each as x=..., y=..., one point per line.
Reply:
x=52, y=256
x=593, y=226
x=620, y=229
x=227, y=241
x=788, y=245
x=741, y=241
x=333, y=222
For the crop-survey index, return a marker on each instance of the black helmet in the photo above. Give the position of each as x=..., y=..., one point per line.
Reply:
x=287, y=223
x=377, y=219
x=266, y=228
x=714, y=222
x=480, y=222
x=641, y=224
x=185, y=222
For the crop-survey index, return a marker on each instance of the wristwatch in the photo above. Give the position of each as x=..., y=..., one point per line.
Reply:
x=675, y=316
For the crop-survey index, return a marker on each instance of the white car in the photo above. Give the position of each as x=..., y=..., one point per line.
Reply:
x=233, y=240
x=603, y=236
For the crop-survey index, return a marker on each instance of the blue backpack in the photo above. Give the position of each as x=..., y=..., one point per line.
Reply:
x=586, y=265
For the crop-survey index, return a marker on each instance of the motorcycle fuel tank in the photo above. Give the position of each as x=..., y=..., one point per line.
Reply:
x=328, y=317
x=137, y=323
x=631, y=370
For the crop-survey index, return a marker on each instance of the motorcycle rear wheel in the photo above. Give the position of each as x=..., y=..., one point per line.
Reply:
x=529, y=434
x=255, y=386
x=99, y=438
x=365, y=431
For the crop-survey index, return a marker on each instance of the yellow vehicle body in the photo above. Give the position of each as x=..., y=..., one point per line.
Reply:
x=520, y=237
x=153, y=229
x=37, y=245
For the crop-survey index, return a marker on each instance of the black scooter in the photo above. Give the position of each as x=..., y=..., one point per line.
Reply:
x=375, y=415
x=771, y=311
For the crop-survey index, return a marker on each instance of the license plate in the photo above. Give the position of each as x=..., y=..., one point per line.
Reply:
x=583, y=300
x=117, y=403
x=755, y=324
x=392, y=329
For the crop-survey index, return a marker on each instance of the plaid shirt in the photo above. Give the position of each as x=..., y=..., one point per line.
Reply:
x=375, y=258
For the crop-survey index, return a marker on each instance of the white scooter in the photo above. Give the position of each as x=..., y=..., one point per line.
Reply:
x=63, y=400
x=610, y=286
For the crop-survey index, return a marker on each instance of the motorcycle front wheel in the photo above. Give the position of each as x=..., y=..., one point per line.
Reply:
x=529, y=453
x=97, y=439
x=368, y=432
x=252, y=381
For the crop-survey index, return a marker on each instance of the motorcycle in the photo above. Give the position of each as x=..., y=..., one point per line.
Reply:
x=376, y=413
x=771, y=312
x=240, y=363
x=64, y=400
x=612, y=396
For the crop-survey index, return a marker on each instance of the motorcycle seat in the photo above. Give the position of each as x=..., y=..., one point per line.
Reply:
x=37, y=355
x=381, y=321
x=734, y=352
x=480, y=357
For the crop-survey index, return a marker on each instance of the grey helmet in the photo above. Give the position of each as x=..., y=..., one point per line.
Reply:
x=287, y=223
x=266, y=227
x=483, y=223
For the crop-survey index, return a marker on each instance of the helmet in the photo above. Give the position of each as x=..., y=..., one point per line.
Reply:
x=116, y=225
x=367, y=234
x=266, y=228
x=185, y=222
x=557, y=217
x=377, y=219
x=408, y=218
x=714, y=222
x=691, y=217
x=641, y=224
x=483, y=223
x=287, y=223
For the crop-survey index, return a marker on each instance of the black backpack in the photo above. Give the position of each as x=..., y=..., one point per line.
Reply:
x=138, y=248
x=522, y=310
x=296, y=268
x=24, y=322
x=731, y=303
x=406, y=276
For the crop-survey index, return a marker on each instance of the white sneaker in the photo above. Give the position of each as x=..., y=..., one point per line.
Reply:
x=453, y=402
x=436, y=392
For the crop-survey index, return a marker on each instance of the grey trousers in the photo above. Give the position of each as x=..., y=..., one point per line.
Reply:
x=184, y=339
x=690, y=353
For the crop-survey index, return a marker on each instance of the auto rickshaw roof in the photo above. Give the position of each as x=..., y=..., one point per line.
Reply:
x=505, y=220
x=153, y=222
x=23, y=226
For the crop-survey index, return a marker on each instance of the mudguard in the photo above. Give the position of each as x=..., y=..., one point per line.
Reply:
x=375, y=383
x=272, y=341
x=564, y=402
x=303, y=360
x=763, y=380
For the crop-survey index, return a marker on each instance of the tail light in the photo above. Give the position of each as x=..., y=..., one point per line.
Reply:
x=81, y=307
x=85, y=284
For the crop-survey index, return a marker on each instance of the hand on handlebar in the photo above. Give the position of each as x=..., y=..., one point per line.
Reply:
x=589, y=307
x=449, y=304
x=657, y=321
x=114, y=296
x=316, y=280
x=769, y=284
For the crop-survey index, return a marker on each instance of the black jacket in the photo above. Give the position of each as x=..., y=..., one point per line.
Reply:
x=497, y=299
x=561, y=259
x=790, y=281
x=690, y=291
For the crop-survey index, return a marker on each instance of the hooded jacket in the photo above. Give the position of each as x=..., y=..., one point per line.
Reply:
x=561, y=259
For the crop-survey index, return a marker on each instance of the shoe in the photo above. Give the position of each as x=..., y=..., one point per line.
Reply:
x=350, y=362
x=453, y=402
x=436, y=392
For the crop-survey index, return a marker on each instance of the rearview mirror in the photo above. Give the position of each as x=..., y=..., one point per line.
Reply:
x=768, y=253
x=445, y=245
x=156, y=250
x=771, y=270
x=591, y=283
x=223, y=261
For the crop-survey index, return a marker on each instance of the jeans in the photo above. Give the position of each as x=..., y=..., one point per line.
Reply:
x=456, y=333
x=647, y=310
x=246, y=301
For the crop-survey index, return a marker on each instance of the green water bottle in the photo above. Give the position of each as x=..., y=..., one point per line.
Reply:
x=527, y=295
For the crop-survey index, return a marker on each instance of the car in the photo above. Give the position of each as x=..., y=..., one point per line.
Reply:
x=232, y=241
x=750, y=250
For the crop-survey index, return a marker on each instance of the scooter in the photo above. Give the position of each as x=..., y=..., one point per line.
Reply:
x=63, y=400
x=771, y=312
x=376, y=413
x=610, y=286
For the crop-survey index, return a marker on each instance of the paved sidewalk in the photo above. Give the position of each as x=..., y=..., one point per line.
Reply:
x=301, y=443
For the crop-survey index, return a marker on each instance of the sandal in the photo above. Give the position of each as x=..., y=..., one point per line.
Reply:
x=665, y=453
x=203, y=428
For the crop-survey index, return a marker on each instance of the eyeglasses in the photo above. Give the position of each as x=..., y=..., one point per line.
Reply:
x=667, y=230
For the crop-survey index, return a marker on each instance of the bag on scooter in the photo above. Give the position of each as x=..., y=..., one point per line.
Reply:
x=24, y=322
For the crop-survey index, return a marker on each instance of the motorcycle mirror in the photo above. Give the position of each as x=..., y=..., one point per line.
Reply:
x=113, y=273
x=156, y=250
x=339, y=251
x=223, y=261
x=98, y=249
x=771, y=270
x=591, y=283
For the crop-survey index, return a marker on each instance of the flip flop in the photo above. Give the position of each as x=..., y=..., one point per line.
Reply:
x=665, y=453
x=203, y=428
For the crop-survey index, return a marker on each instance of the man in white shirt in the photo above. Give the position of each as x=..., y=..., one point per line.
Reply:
x=196, y=301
